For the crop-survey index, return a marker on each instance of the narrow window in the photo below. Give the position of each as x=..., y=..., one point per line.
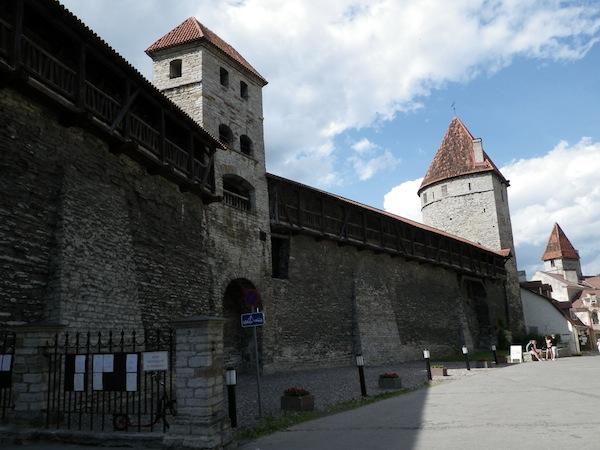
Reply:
x=243, y=90
x=424, y=197
x=469, y=186
x=595, y=318
x=175, y=68
x=224, y=77
x=432, y=195
x=445, y=190
x=280, y=257
x=551, y=263
x=245, y=145
x=237, y=193
x=225, y=135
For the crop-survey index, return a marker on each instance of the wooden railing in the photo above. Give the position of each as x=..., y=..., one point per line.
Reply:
x=345, y=222
x=176, y=156
x=144, y=134
x=122, y=118
x=236, y=201
x=6, y=38
x=47, y=68
x=103, y=105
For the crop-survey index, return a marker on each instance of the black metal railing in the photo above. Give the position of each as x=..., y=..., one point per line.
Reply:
x=7, y=353
x=111, y=382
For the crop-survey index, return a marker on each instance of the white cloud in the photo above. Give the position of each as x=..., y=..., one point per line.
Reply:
x=363, y=146
x=561, y=186
x=366, y=168
x=344, y=64
x=403, y=200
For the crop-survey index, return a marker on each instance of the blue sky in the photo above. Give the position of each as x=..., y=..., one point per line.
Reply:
x=360, y=94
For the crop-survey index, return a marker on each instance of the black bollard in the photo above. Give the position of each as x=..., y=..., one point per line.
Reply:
x=360, y=363
x=231, y=381
x=427, y=364
x=495, y=354
x=465, y=351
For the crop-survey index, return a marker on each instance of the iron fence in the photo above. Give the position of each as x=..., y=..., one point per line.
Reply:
x=111, y=382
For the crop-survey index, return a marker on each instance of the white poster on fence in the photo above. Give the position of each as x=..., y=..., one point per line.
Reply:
x=155, y=361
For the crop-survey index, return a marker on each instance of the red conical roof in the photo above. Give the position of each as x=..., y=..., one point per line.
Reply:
x=190, y=31
x=559, y=246
x=455, y=157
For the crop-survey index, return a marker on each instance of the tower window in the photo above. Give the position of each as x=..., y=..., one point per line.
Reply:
x=469, y=186
x=225, y=135
x=552, y=263
x=224, y=77
x=245, y=145
x=444, y=190
x=243, y=90
x=175, y=68
x=280, y=256
x=237, y=193
x=424, y=197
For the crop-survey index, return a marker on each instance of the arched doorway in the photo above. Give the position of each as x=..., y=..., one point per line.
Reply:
x=238, y=342
x=480, y=324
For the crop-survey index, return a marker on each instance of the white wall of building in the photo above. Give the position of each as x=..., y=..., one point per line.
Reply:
x=545, y=319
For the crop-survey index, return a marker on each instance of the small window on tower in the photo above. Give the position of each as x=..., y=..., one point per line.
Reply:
x=444, y=190
x=424, y=197
x=224, y=77
x=225, y=135
x=243, y=90
x=245, y=145
x=551, y=263
x=175, y=68
x=469, y=186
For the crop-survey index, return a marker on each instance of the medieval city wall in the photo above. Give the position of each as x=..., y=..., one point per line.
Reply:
x=89, y=238
x=339, y=301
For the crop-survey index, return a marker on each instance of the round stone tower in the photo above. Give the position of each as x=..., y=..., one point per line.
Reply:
x=464, y=193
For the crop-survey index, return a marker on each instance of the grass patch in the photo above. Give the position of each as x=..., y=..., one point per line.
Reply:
x=271, y=424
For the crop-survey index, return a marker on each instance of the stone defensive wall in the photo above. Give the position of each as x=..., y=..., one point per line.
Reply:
x=360, y=280
x=111, y=217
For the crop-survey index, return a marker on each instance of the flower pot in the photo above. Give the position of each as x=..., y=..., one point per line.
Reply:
x=303, y=403
x=439, y=372
x=390, y=383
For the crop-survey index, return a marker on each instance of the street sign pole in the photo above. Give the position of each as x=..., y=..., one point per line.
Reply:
x=257, y=371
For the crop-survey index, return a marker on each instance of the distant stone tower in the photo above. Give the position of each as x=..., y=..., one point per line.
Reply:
x=560, y=256
x=464, y=193
x=217, y=87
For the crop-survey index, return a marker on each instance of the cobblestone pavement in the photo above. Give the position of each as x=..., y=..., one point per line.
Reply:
x=329, y=386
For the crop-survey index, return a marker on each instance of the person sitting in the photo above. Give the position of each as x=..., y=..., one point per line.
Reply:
x=531, y=347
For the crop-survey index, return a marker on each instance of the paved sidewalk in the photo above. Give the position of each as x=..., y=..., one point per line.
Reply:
x=545, y=405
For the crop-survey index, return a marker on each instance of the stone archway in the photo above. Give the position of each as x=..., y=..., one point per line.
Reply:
x=238, y=343
x=480, y=324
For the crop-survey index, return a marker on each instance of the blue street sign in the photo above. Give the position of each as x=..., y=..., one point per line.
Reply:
x=254, y=319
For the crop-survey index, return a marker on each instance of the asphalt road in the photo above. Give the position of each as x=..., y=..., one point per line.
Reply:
x=542, y=405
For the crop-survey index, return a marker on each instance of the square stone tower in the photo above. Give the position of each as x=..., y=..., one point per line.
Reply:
x=218, y=88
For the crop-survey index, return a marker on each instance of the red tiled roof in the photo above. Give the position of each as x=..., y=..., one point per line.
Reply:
x=559, y=246
x=455, y=157
x=190, y=31
x=593, y=281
